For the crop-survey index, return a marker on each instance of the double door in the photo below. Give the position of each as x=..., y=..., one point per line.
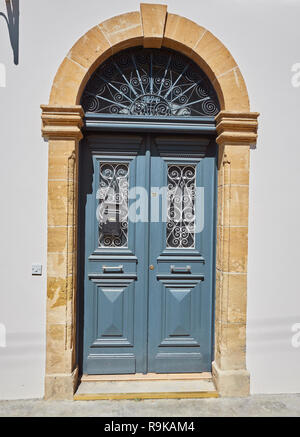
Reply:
x=147, y=225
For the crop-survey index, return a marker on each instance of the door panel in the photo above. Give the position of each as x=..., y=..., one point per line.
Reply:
x=138, y=319
x=114, y=305
x=115, y=296
x=114, y=326
x=181, y=283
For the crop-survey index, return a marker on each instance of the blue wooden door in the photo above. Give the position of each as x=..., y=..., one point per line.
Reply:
x=182, y=256
x=147, y=253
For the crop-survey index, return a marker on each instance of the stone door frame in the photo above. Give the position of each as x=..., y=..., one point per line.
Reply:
x=62, y=120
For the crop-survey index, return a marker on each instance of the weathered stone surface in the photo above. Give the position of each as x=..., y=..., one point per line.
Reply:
x=232, y=297
x=67, y=83
x=62, y=122
x=58, y=202
x=182, y=34
x=238, y=128
x=235, y=205
x=60, y=154
x=93, y=47
x=60, y=239
x=233, y=90
x=214, y=54
x=234, y=165
x=55, y=362
x=123, y=31
x=57, y=294
x=234, y=249
x=232, y=339
x=61, y=386
x=60, y=265
x=231, y=383
x=153, y=20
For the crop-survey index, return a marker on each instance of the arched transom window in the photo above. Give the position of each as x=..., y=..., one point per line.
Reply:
x=150, y=82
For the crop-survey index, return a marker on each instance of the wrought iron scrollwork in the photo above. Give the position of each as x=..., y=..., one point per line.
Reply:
x=181, y=206
x=112, y=210
x=150, y=82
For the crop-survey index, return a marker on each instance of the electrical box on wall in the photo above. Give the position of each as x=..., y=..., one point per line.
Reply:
x=36, y=269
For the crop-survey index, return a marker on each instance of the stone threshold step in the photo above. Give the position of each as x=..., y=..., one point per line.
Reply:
x=148, y=377
x=163, y=389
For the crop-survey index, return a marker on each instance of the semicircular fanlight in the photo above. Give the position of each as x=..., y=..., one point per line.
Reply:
x=150, y=82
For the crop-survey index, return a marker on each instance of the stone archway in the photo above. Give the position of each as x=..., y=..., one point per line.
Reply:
x=62, y=120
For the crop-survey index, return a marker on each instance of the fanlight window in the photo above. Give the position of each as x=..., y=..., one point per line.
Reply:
x=150, y=82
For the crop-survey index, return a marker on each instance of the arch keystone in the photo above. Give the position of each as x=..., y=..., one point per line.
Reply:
x=153, y=21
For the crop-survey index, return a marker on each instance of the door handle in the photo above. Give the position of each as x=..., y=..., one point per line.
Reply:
x=186, y=269
x=109, y=269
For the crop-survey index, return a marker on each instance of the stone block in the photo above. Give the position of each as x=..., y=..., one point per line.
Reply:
x=153, y=20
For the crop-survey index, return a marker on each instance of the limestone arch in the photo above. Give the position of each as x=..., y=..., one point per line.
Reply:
x=62, y=120
x=172, y=31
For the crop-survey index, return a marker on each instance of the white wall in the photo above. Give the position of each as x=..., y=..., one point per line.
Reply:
x=263, y=36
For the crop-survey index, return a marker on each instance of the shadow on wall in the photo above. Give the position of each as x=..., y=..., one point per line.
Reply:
x=12, y=21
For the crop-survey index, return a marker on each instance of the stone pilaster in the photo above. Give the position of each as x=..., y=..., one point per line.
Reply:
x=62, y=127
x=236, y=133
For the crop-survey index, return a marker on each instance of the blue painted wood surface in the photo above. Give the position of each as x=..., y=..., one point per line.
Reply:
x=136, y=319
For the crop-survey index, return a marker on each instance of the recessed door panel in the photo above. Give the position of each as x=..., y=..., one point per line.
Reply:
x=180, y=312
x=114, y=313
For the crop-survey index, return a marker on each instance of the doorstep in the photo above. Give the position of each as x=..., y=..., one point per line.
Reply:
x=150, y=386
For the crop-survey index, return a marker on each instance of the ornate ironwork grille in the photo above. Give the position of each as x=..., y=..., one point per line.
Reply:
x=112, y=210
x=150, y=82
x=181, y=206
